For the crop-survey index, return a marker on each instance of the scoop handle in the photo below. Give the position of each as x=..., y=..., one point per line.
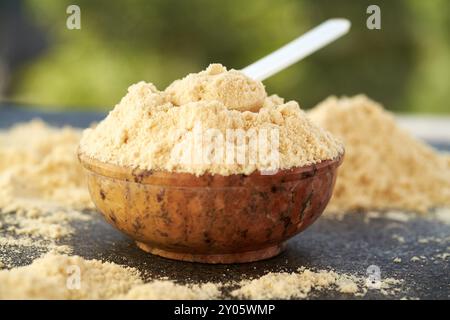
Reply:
x=297, y=49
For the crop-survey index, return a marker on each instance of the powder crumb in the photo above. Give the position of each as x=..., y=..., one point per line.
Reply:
x=426, y=240
x=390, y=286
x=398, y=238
x=415, y=259
x=409, y=174
x=168, y=131
x=400, y=216
x=347, y=285
x=443, y=215
x=397, y=260
x=443, y=255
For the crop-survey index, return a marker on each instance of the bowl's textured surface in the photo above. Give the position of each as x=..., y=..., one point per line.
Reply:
x=211, y=218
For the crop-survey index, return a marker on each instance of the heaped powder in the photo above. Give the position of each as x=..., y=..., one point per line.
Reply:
x=42, y=186
x=147, y=126
x=300, y=284
x=385, y=167
x=56, y=276
x=39, y=168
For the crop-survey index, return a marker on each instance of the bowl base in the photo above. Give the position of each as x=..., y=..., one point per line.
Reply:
x=241, y=257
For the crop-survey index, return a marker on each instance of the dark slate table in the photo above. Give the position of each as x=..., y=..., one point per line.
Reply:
x=349, y=245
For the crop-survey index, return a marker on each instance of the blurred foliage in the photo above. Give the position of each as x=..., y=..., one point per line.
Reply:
x=405, y=65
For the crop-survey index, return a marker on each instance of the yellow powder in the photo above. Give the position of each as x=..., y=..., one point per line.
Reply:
x=168, y=290
x=385, y=167
x=149, y=128
x=300, y=284
x=39, y=168
x=54, y=277
x=294, y=285
x=232, y=88
x=41, y=182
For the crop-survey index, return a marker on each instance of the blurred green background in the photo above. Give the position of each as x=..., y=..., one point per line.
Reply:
x=405, y=65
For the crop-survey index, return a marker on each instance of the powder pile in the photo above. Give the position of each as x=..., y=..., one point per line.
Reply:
x=232, y=88
x=39, y=168
x=300, y=284
x=169, y=290
x=56, y=276
x=385, y=167
x=42, y=187
x=145, y=129
x=295, y=285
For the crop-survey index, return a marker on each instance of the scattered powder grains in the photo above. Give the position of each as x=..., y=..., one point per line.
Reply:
x=41, y=185
x=56, y=276
x=39, y=169
x=384, y=167
x=155, y=130
x=397, y=260
x=301, y=283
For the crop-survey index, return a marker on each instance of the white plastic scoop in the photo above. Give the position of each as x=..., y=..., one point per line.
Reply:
x=298, y=49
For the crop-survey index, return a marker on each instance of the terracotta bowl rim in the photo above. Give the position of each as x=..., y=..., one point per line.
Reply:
x=144, y=176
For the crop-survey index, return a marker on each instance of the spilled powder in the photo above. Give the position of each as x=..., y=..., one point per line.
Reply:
x=42, y=191
x=168, y=290
x=166, y=130
x=385, y=167
x=298, y=285
x=52, y=277
x=39, y=169
x=42, y=187
x=55, y=276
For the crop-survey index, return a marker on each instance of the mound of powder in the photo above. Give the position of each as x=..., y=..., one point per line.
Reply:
x=57, y=276
x=39, y=168
x=42, y=185
x=169, y=290
x=54, y=276
x=299, y=285
x=232, y=88
x=385, y=167
x=149, y=128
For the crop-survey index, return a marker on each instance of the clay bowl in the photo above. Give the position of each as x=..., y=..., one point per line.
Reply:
x=211, y=218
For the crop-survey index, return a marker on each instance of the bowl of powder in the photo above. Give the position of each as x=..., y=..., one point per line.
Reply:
x=211, y=169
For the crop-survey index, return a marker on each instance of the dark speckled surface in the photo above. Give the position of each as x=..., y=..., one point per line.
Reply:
x=350, y=246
